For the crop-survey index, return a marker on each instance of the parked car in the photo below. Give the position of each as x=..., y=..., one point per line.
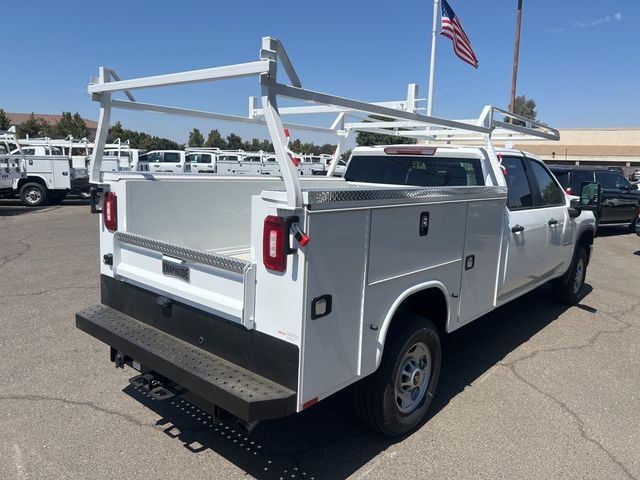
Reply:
x=620, y=198
x=635, y=175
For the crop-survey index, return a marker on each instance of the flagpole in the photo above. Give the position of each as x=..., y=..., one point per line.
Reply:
x=516, y=52
x=432, y=66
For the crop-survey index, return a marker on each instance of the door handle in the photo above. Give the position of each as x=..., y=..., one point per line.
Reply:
x=552, y=222
x=517, y=229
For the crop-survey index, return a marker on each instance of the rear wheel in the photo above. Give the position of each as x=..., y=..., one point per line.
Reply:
x=394, y=400
x=33, y=194
x=568, y=287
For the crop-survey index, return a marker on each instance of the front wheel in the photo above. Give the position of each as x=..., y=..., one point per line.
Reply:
x=394, y=400
x=567, y=288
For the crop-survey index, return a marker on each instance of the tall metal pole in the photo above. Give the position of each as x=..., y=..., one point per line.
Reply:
x=516, y=51
x=432, y=67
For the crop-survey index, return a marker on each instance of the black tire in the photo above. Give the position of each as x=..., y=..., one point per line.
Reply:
x=376, y=399
x=632, y=225
x=568, y=288
x=55, y=198
x=33, y=194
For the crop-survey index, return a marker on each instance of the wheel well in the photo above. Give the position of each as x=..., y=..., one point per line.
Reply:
x=39, y=180
x=586, y=241
x=429, y=303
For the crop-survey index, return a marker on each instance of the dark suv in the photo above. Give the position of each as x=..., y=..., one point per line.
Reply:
x=620, y=198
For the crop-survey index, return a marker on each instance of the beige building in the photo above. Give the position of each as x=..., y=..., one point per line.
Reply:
x=604, y=146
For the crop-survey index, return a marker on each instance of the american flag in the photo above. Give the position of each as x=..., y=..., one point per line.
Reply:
x=452, y=28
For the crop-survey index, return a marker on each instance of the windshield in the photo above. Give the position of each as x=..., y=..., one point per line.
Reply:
x=415, y=170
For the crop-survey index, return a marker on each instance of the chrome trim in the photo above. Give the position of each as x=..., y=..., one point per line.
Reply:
x=206, y=258
x=316, y=197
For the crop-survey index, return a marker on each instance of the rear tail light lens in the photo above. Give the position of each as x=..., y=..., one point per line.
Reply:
x=273, y=244
x=295, y=160
x=110, y=211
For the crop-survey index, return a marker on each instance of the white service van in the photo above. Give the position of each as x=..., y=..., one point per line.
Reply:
x=263, y=296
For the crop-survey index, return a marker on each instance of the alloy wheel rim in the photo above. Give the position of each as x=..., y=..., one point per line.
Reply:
x=33, y=195
x=413, y=378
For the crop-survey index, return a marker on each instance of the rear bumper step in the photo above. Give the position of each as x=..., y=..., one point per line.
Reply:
x=241, y=392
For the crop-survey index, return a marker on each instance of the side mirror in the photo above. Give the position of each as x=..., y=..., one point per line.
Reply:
x=634, y=186
x=590, y=197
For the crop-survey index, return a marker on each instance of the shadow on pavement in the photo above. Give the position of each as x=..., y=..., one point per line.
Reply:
x=326, y=441
x=12, y=207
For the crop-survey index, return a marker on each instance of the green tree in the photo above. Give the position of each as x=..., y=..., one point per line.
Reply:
x=140, y=139
x=34, y=127
x=195, y=138
x=368, y=139
x=214, y=139
x=525, y=108
x=234, y=142
x=327, y=149
x=5, y=123
x=73, y=125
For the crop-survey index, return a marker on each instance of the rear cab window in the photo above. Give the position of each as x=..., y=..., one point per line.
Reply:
x=414, y=170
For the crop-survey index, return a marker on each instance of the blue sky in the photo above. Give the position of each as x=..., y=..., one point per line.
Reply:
x=578, y=58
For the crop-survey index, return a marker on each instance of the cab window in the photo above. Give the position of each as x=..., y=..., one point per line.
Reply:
x=550, y=192
x=518, y=189
x=171, y=157
x=578, y=177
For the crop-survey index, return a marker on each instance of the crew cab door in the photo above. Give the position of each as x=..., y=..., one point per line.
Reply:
x=553, y=206
x=524, y=233
x=201, y=162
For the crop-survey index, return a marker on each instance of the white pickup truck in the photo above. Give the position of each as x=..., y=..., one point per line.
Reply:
x=263, y=296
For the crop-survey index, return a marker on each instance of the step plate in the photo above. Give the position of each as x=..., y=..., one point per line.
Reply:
x=243, y=393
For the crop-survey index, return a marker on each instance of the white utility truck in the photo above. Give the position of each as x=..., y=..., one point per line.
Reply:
x=12, y=166
x=50, y=176
x=261, y=296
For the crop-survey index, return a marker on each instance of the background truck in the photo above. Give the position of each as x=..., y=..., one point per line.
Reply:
x=50, y=176
x=262, y=296
x=12, y=167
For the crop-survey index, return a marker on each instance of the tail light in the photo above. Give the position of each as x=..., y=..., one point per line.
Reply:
x=569, y=190
x=274, y=243
x=295, y=160
x=110, y=211
x=410, y=150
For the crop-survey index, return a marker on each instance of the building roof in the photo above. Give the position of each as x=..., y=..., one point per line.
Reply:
x=19, y=118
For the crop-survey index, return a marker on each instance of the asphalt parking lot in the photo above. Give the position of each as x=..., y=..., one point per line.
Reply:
x=533, y=390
